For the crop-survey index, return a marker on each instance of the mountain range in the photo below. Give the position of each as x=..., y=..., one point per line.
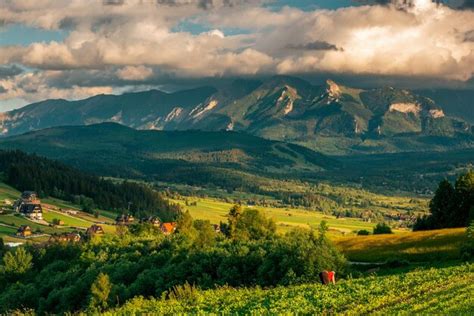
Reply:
x=331, y=118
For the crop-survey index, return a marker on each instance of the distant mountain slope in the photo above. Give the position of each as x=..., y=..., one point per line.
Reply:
x=457, y=103
x=331, y=118
x=116, y=150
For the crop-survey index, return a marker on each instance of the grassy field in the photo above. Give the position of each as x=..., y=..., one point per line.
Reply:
x=286, y=218
x=424, y=246
x=440, y=291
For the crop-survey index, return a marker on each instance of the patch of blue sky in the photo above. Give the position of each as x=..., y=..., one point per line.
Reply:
x=195, y=28
x=18, y=34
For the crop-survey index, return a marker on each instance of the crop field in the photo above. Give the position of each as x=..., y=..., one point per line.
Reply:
x=413, y=246
x=440, y=291
x=286, y=218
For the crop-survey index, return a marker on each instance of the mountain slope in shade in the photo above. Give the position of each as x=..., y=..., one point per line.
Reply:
x=456, y=103
x=117, y=150
x=332, y=118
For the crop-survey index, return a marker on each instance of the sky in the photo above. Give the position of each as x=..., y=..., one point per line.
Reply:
x=73, y=49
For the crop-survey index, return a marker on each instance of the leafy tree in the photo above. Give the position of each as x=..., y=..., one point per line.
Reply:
x=185, y=226
x=253, y=225
x=323, y=229
x=465, y=199
x=382, y=228
x=18, y=261
x=443, y=204
x=234, y=214
x=363, y=232
x=467, y=249
x=450, y=206
x=100, y=291
x=206, y=236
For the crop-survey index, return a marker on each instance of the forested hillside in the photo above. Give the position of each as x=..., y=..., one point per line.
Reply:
x=51, y=178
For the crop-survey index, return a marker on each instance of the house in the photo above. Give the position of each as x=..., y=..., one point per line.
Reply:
x=153, y=220
x=29, y=205
x=30, y=197
x=24, y=231
x=124, y=219
x=65, y=237
x=95, y=230
x=33, y=211
x=168, y=228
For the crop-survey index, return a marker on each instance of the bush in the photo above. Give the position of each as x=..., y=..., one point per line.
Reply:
x=467, y=249
x=382, y=228
x=363, y=232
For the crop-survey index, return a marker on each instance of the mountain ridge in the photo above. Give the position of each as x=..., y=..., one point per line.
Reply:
x=331, y=118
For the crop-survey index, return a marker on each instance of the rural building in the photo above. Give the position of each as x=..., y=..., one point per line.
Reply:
x=94, y=230
x=153, y=220
x=29, y=205
x=168, y=228
x=30, y=197
x=65, y=237
x=217, y=228
x=24, y=231
x=124, y=219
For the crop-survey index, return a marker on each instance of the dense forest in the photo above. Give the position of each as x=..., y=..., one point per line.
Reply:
x=451, y=206
x=51, y=178
x=107, y=271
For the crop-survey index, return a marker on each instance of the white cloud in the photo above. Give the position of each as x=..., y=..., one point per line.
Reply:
x=135, y=73
x=134, y=42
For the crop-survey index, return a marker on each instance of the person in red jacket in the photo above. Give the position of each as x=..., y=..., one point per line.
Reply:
x=332, y=277
x=327, y=277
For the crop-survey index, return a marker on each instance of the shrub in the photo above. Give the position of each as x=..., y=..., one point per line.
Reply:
x=382, y=228
x=363, y=232
x=467, y=249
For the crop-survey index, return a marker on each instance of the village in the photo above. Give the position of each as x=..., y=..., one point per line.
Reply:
x=35, y=221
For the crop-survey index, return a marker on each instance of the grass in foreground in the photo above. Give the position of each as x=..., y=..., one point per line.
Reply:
x=419, y=246
x=440, y=291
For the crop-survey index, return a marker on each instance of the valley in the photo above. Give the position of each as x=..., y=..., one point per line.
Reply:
x=237, y=157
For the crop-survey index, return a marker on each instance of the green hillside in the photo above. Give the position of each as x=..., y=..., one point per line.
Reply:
x=435, y=291
x=115, y=150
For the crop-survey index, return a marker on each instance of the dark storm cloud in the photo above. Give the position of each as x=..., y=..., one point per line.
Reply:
x=8, y=71
x=317, y=45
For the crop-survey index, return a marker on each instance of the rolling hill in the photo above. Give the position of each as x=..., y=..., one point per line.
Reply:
x=116, y=150
x=331, y=118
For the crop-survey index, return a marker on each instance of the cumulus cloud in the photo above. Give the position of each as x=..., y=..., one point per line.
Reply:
x=135, y=73
x=113, y=43
x=32, y=87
